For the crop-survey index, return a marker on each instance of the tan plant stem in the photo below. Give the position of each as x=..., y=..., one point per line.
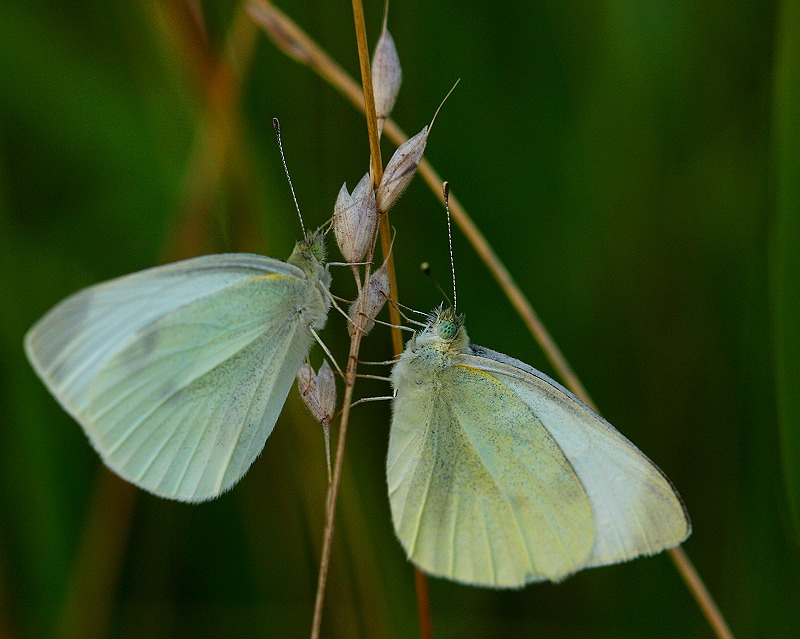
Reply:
x=296, y=43
x=330, y=510
x=376, y=163
x=355, y=343
x=423, y=605
x=420, y=580
x=369, y=97
x=704, y=599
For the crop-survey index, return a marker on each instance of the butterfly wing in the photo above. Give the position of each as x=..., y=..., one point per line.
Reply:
x=635, y=508
x=74, y=340
x=177, y=374
x=480, y=492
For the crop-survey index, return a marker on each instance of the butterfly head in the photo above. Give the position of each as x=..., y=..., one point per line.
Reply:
x=309, y=253
x=447, y=328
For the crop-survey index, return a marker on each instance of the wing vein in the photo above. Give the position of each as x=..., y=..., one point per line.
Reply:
x=158, y=404
x=424, y=500
x=226, y=463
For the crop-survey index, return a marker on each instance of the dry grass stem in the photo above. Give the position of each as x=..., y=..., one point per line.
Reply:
x=355, y=342
x=105, y=533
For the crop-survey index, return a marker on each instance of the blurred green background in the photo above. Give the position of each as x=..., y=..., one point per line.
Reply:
x=634, y=164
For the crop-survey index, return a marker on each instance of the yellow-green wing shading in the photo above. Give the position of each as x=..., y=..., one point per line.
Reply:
x=479, y=491
x=186, y=408
x=177, y=374
x=77, y=337
x=636, y=510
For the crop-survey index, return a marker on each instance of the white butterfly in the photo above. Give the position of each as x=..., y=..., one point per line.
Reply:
x=177, y=373
x=498, y=476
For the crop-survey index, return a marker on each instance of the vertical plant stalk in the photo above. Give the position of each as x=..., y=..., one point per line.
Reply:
x=333, y=489
x=297, y=44
x=784, y=241
x=86, y=610
x=420, y=580
x=376, y=163
x=87, y=605
x=349, y=385
x=384, y=231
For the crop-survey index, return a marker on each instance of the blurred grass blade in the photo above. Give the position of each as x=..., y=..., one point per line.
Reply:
x=785, y=247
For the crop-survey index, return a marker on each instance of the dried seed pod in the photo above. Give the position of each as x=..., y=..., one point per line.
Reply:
x=318, y=391
x=386, y=77
x=355, y=219
x=326, y=391
x=400, y=170
x=376, y=292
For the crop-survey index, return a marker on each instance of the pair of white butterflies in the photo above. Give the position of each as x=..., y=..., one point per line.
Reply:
x=497, y=475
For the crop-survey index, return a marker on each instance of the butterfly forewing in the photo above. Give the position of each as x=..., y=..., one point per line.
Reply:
x=75, y=338
x=177, y=374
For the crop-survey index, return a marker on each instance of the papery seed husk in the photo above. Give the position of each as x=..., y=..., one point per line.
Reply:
x=386, y=77
x=341, y=224
x=355, y=219
x=326, y=391
x=376, y=292
x=319, y=395
x=308, y=386
x=343, y=201
x=401, y=170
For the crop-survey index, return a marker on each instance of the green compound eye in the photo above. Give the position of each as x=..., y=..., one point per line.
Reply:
x=447, y=329
x=316, y=251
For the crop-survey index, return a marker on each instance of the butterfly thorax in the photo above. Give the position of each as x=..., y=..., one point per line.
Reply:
x=309, y=256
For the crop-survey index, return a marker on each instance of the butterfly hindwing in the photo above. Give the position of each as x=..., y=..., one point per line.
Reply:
x=636, y=509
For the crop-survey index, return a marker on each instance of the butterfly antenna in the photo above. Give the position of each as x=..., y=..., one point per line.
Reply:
x=277, y=126
x=446, y=189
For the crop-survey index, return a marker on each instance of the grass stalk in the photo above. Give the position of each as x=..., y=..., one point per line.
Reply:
x=384, y=230
x=86, y=608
